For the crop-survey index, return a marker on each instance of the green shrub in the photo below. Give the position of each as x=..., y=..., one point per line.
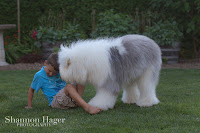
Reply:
x=51, y=35
x=164, y=32
x=113, y=24
x=15, y=50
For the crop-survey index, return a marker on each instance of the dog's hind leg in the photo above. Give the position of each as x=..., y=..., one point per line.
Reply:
x=147, y=87
x=130, y=94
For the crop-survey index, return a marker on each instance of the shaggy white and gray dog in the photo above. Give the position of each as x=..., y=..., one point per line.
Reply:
x=131, y=63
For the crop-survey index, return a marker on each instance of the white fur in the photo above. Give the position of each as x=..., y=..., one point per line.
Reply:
x=130, y=94
x=102, y=96
x=90, y=62
x=147, y=91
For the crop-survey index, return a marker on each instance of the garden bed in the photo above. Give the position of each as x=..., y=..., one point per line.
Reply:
x=183, y=64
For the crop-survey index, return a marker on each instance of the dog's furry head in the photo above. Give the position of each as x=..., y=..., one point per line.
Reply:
x=70, y=69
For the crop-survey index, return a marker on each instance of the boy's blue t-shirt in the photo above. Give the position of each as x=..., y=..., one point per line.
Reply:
x=49, y=85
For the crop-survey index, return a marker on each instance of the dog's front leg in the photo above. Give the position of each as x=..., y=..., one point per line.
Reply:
x=103, y=99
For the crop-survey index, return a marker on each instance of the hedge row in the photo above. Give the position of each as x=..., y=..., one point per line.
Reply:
x=74, y=11
x=35, y=13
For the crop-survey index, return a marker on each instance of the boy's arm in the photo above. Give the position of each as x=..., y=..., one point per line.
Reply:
x=30, y=97
x=80, y=89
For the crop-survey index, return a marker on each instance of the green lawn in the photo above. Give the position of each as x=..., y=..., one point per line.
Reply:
x=179, y=110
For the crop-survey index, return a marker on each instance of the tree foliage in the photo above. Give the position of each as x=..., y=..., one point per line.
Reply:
x=187, y=14
x=111, y=24
x=164, y=32
x=78, y=12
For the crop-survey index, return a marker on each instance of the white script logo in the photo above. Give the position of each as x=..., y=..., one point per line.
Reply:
x=44, y=121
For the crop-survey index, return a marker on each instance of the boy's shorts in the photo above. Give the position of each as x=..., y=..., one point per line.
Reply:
x=60, y=100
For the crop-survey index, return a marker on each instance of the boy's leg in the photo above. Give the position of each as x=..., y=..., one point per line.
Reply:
x=71, y=91
x=80, y=89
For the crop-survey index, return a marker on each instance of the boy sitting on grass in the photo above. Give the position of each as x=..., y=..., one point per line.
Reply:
x=55, y=89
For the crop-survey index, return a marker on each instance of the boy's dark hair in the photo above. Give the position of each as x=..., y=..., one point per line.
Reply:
x=53, y=61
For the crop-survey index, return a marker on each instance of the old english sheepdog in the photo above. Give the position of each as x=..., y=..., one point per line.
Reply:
x=130, y=62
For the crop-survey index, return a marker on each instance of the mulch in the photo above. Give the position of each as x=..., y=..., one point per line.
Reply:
x=184, y=64
x=22, y=66
x=191, y=64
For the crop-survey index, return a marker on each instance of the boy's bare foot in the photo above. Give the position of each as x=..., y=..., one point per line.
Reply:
x=93, y=110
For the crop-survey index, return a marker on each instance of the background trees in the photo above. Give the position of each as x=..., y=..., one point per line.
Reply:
x=88, y=16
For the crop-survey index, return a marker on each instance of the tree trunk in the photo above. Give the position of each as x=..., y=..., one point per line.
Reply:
x=195, y=47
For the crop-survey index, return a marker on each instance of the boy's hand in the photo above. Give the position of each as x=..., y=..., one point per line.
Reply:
x=28, y=107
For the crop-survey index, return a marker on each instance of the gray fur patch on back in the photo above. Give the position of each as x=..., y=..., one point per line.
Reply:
x=141, y=54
